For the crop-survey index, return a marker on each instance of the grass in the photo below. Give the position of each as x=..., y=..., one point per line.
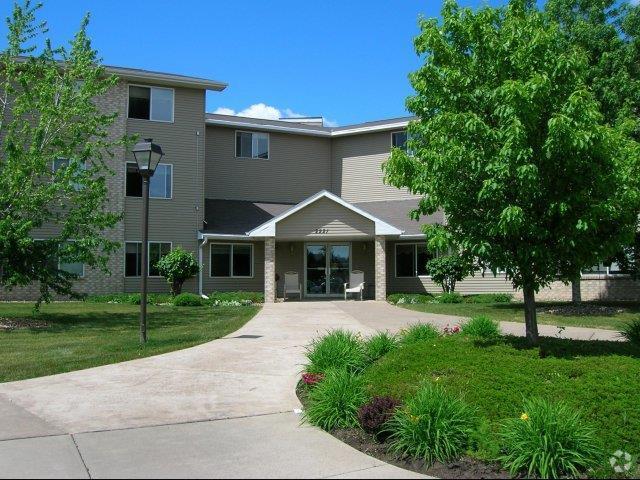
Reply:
x=82, y=335
x=599, y=378
x=514, y=312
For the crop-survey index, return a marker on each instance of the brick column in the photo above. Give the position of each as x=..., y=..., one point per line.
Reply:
x=269, y=270
x=381, y=269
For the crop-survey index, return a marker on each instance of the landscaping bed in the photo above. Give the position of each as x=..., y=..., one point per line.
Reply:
x=471, y=403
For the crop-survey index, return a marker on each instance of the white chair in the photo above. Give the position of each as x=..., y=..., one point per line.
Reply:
x=356, y=284
x=292, y=284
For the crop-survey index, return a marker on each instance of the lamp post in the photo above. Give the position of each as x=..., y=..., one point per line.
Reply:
x=147, y=155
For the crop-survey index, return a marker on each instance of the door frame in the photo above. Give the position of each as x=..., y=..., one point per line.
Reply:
x=327, y=267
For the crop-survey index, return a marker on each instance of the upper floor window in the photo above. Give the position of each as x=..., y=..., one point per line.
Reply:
x=252, y=145
x=411, y=259
x=151, y=103
x=399, y=140
x=160, y=185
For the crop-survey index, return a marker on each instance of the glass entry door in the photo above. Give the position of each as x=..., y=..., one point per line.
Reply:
x=327, y=268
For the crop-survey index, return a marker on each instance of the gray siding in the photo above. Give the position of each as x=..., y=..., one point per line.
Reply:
x=254, y=283
x=356, y=166
x=298, y=166
x=178, y=219
x=328, y=215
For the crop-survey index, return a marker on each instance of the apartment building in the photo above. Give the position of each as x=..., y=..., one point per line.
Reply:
x=254, y=199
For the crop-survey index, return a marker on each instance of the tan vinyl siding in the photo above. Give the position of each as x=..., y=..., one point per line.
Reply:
x=225, y=284
x=357, y=168
x=177, y=219
x=324, y=214
x=470, y=285
x=363, y=258
x=298, y=167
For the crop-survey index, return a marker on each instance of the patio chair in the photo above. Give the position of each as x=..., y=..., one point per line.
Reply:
x=292, y=284
x=355, y=285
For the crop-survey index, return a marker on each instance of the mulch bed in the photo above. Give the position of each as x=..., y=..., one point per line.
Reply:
x=463, y=468
x=583, y=309
x=19, y=323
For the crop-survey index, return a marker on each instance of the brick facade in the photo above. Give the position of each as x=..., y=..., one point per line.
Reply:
x=592, y=287
x=270, y=270
x=381, y=269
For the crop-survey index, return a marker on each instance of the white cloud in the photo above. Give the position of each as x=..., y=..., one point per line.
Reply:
x=635, y=2
x=268, y=112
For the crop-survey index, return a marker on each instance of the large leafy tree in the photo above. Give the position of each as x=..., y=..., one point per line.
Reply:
x=511, y=144
x=53, y=160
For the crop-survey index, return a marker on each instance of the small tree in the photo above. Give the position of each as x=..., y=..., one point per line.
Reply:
x=177, y=267
x=447, y=270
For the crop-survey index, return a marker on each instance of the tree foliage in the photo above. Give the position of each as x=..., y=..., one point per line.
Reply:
x=447, y=270
x=48, y=113
x=177, y=267
x=510, y=142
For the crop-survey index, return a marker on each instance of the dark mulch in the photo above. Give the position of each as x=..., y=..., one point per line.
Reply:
x=463, y=468
x=15, y=323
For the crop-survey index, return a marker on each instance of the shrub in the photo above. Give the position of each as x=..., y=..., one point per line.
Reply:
x=129, y=298
x=449, y=269
x=409, y=298
x=549, y=440
x=433, y=425
x=481, y=326
x=337, y=349
x=489, y=298
x=335, y=401
x=379, y=345
x=188, y=300
x=450, y=298
x=177, y=266
x=240, y=297
x=374, y=414
x=631, y=331
x=419, y=332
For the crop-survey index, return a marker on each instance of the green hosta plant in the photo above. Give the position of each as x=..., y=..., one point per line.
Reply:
x=177, y=267
x=338, y=349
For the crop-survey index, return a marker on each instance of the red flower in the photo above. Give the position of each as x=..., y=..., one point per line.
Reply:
x=312, y=378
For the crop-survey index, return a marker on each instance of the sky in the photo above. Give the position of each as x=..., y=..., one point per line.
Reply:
x=346, y=61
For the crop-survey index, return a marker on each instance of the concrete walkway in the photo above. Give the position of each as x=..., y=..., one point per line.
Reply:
x=223, y=409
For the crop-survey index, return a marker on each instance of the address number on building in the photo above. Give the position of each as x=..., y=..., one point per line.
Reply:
x=320, y=231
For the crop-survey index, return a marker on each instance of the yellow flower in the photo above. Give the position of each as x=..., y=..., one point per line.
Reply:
x=437, y=379
x=524, y=417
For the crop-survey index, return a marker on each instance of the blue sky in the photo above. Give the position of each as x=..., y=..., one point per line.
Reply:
x=345, y=60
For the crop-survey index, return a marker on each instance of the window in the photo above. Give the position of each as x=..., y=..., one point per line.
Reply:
x=133, y=258
x=411, y=259
x=151, y=103
x=75, y=268
x=231, y=260
x=252, y=145
x=604, y=269
x=399, y=140
x=62, y=163
x=160, y=185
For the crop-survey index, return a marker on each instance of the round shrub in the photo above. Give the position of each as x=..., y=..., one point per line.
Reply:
x=177, y=266
x=334, y=402
x=433, y=425
x=631, y=331
x=450, y=298
x=188, y=300
x=338, y=349
x=419, y=332
x=374, y=414
x=481, y=326
x=379, y=345
x=549, y=440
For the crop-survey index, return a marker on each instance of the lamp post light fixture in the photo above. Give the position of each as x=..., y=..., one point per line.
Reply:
x=147, y=155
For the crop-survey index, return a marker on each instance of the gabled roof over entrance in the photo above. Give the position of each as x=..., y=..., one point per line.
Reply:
x=268, y=229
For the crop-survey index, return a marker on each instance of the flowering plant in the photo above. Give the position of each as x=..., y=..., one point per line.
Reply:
x=312, y=378
x=451, y=330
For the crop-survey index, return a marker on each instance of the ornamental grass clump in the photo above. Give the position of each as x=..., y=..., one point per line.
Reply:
x=631, y=331
x=549, y=440
x=338, y=349
x=334, y=402
x=418, y=332
x=379, y=345
x=433, y=426
x=481, y=327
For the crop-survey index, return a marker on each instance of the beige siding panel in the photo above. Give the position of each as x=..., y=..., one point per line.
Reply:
x=363, y=258
x=328, y=215
x=357, y=168
x=298, y=166
x=289, y=258
x=249, y=284
x=470, y=285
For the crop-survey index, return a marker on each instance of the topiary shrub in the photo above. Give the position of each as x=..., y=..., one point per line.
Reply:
x=549, y=440
x=418, y=332
x=631, y=331
x=334, y=402
x=447, y=270
x=450, y=298
x=188, y=300
x=374, y=414
x=433, y=425
x=337, y=350
x=482, y=327
x=379, y=345
x=177, y=266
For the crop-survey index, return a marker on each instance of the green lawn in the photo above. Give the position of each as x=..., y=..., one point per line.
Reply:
x=600, y=378
x=514, y=312
x=81, y=335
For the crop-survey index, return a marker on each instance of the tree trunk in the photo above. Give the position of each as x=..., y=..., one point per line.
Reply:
x=176, y=287
x=530, y=317
x=576, y=295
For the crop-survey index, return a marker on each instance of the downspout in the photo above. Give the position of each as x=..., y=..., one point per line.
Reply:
x=200, y=249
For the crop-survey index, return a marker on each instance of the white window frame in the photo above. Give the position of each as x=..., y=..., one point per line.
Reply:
x=415, y=260
x=150, y=196
x=391, y=138
x=151, y=88
x=252, y=132
x=148, y=257
x=231, y=272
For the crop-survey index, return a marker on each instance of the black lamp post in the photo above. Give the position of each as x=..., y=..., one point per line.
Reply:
x=147, y=155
